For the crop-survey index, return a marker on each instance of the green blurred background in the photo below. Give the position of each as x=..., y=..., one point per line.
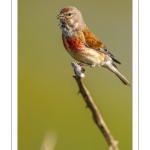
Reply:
x=47, y=93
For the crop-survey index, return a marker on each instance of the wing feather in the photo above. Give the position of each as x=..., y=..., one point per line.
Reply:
x=93, y=42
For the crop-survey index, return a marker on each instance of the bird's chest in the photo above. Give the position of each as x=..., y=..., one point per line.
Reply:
x=73, y=45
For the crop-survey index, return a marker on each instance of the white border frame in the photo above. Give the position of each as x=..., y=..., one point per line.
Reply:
x=135, y=71
x=8, y=75
x=14, y=74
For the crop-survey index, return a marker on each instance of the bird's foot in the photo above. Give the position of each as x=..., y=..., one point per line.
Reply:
x=79, y=70
x=82, y=64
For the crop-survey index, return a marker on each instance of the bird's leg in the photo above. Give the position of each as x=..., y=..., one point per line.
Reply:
x=82, y=64
x=82, y=68
x=79, y=70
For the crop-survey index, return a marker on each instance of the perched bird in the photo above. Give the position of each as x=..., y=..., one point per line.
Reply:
x=83, y=45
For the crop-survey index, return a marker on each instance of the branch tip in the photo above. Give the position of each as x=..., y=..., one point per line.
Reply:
x=79, y=70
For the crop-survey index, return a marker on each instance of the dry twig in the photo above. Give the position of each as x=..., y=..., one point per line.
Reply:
x=92, y=106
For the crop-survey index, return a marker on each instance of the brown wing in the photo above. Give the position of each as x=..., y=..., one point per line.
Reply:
x=92, y=41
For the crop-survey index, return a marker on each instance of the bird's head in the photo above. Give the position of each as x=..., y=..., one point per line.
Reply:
x=71, y=17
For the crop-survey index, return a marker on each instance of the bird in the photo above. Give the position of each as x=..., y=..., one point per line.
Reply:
x=83, y=45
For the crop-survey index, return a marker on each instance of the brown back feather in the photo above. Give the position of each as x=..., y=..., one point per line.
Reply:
x=92, y=41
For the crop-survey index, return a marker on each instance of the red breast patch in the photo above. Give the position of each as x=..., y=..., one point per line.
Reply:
x=75, y=45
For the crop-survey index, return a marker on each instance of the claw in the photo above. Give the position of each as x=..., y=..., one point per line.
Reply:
x=78, y=69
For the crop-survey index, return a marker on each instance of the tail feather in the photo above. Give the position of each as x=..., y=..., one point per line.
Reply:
x=115, y=60
x=114, y=69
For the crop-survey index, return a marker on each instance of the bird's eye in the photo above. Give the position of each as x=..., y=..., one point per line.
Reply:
x=69, y=14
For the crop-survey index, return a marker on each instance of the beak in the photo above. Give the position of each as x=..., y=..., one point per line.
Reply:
x=60, y=16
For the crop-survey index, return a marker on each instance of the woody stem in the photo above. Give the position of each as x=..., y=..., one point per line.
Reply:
x=96, y=114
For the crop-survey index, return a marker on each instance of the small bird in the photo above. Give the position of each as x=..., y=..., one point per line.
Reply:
x=83, y=45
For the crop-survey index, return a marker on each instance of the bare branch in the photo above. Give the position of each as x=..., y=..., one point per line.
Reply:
x=92, y=106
